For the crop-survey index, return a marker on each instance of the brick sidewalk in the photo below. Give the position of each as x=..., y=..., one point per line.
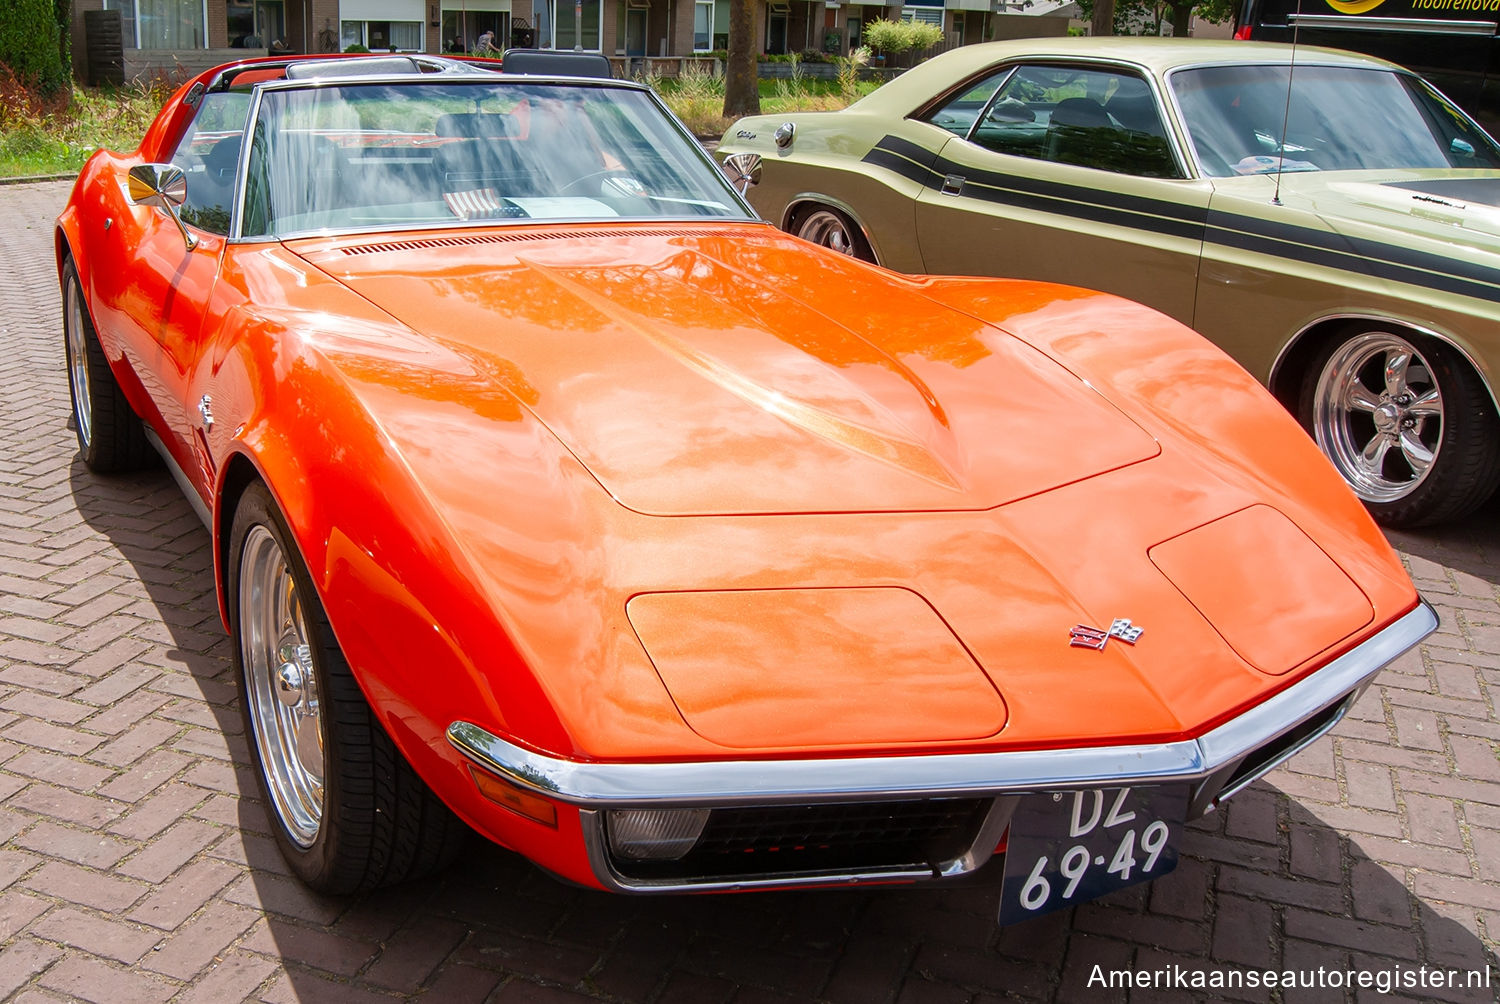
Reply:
x=137, y=864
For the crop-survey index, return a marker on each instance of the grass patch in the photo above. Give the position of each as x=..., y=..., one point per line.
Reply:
x=698, y=98
x=41, y=140
x=57, y=137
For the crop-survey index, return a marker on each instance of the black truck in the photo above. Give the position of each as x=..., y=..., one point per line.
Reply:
x=1453, y=43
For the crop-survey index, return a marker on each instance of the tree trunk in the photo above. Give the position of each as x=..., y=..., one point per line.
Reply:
x=741, y=83
x=1182, y=20
x=1104, y=18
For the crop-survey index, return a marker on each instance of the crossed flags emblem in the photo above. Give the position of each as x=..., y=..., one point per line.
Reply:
x=1083, y=636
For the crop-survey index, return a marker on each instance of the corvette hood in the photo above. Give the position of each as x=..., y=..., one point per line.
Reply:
x=731, y=369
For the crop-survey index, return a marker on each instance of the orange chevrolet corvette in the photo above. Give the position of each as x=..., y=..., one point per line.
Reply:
x=554, y=494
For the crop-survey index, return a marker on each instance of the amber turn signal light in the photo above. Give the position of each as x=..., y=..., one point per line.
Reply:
x=517, y=800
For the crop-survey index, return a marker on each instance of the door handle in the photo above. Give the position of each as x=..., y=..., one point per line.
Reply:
x=953, y=184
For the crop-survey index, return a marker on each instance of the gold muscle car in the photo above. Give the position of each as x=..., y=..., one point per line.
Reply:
x=1333, y=223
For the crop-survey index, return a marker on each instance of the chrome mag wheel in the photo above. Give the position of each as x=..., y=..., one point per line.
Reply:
x=281, y=686
x=1378, y=415
x=833, y=230
x=78, y=364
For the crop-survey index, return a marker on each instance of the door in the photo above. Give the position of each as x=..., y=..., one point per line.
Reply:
x=1067, y=174
x=159, y=308
x=776, y=33
x=155, y=308
x=635, y=34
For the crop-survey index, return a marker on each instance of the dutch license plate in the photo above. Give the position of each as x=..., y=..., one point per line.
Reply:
x=1073, y=846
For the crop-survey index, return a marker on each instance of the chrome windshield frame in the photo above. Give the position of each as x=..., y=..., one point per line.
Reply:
x=485, y=79
x=1174, y=103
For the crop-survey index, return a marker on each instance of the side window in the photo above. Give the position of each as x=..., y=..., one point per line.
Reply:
x=209, y=154
x=1104, y=119
x=958, y=115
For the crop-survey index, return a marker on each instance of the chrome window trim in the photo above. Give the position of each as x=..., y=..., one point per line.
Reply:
x=1005, y=75
x=241, y=173
x=1185, y=164
x=1171, y=90
x=478, y=78
x=757, y=782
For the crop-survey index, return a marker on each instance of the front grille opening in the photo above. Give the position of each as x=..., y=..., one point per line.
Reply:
x=840, y=837
x=1260, y=761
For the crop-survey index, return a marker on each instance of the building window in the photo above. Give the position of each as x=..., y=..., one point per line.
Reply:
x=382, y=36
x=462, y=28
x=703, y=26
x=162, y=24
x=576, y=25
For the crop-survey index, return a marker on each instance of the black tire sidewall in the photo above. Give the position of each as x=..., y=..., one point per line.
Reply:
x=117, y=439
x=1463, y=475
x=318, y=865
x=71, y=285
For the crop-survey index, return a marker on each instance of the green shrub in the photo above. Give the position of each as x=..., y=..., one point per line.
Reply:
x=356, y=47
x=30, y=44
x=889, y=37
x=924, y=35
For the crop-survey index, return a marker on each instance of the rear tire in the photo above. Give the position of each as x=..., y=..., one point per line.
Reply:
x=111, y=438
x=1406, y=422
x=833, y=229
x=347, y=810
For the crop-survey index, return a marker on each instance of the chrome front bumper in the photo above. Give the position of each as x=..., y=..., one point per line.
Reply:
x=1217, y=764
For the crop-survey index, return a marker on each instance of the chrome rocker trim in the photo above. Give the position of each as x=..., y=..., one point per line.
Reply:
x=1209, y=762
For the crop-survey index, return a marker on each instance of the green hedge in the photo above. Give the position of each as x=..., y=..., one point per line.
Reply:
x=33, y=45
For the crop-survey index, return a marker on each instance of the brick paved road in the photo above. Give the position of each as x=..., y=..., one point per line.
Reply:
x=137, y=867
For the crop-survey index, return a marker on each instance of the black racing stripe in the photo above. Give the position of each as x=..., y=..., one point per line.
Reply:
x=1075, y=193
x=906, y=148
x=943, y=167
x=1350, y=262
x=903, y=167
x=1275, y=239
x=1419, y=267
x=1084, y=211
x=1024, y=193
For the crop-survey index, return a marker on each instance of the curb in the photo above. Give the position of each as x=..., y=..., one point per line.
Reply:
x=32, y=179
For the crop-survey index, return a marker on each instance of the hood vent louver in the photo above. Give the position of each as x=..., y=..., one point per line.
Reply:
x=424, y=243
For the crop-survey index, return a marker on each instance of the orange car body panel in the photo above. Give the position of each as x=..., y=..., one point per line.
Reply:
x=495, y=457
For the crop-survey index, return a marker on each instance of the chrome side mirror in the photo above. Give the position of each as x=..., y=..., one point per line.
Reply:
x=742, y=170
x=164, y=187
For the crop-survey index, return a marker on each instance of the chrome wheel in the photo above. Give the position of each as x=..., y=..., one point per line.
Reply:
x=828, y=228
x=1378, y=415
x=281, y=686
x=78, y=364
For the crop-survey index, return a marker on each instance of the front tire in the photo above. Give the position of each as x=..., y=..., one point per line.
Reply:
x=111, y=438
x=1407, y=423
x=348, y=812
x=832, y=229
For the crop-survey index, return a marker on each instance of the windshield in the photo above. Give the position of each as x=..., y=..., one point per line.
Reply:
x=1342, y=118
x=363, y=156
